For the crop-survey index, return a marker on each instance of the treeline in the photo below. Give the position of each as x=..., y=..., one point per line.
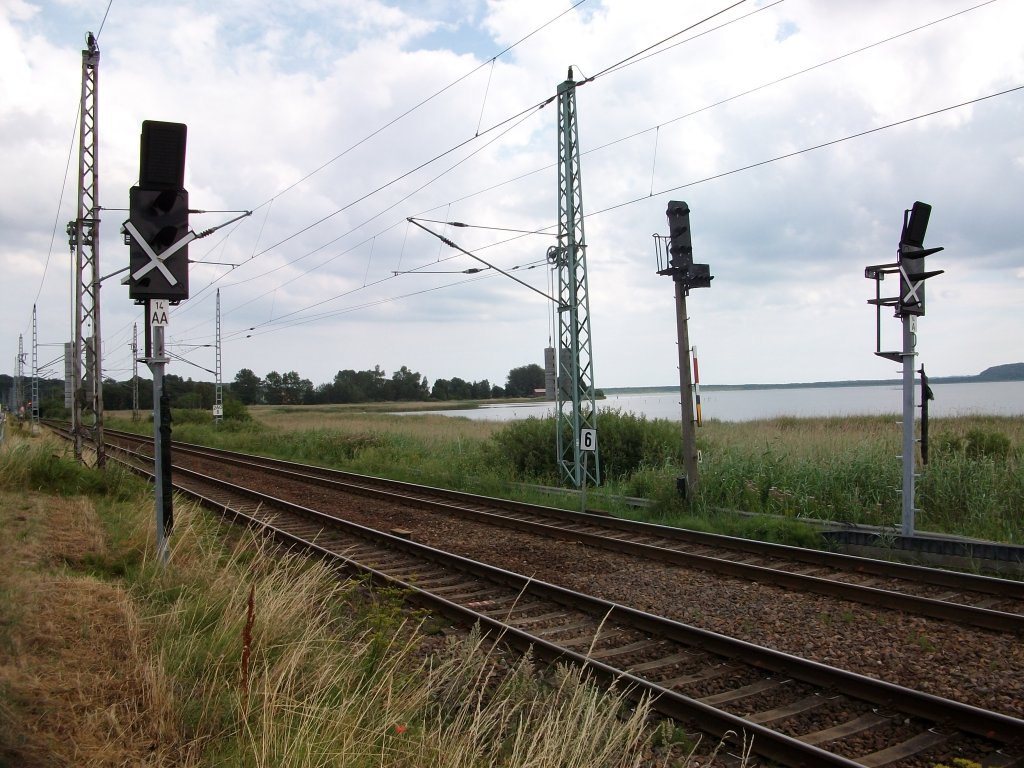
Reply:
x=348, y=386
x=117, y=395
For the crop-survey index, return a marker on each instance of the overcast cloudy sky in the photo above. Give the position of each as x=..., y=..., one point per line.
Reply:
x=335, y=120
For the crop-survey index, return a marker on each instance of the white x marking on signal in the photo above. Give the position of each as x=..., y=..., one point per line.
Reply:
x=155, y=261
x=911, y=297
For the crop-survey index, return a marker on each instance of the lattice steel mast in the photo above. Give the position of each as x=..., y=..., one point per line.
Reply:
x=83, y=233
x=573, y=360
x=35, y=371
x=218, y=393
x=19, y=374
x=135, y=372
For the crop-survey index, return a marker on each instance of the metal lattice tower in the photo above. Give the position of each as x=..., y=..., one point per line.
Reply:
x=135, y=372
x=575, y=379
x=35, y=371
x=19, y=374
x=218, y=397
x=83, y=233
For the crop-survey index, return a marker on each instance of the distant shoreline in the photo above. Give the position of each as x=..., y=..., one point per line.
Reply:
x=981, y=379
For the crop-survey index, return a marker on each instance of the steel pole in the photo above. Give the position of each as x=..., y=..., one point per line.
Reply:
x=689, y=435
x=909, y=452
x=156, y=365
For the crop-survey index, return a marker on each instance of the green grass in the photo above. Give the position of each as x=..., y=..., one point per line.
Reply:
x=241, y=655
x=837, y=469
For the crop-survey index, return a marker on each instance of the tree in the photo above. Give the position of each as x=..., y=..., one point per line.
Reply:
x=117, y=396
x=407, y=385
x=524, y=380
x=295, y=389
x=440, y=389
x=273, y=388
x=247, y=386
x=347, y=388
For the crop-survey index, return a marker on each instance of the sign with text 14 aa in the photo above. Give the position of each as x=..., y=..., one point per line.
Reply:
x=158, y=309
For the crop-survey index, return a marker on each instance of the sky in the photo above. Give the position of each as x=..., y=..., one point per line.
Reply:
x=798, y=133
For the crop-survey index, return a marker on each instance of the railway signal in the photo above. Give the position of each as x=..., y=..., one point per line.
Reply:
x=908, y=306
x=157, y=230
x=158, y=235
x=680, y=244
x=676, y=261
x=911, y=259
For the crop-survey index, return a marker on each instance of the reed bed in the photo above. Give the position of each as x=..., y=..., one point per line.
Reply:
x=839, y=469
x=848, y=470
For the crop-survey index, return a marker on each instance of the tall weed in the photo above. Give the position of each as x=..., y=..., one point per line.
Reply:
x=334, y=675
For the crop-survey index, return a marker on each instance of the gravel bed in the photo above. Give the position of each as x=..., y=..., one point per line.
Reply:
x=974, y=666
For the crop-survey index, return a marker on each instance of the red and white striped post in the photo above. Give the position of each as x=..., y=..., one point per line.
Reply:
x=696, y=388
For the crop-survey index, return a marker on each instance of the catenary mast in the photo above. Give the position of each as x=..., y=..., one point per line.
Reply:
x=83, y=234
x=574, y=383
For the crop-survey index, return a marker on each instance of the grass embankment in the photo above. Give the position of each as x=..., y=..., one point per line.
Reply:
x=841, y=469
x=237, y=655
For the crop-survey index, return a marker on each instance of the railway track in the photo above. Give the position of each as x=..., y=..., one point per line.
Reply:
x=797, y=712
x=978, y=601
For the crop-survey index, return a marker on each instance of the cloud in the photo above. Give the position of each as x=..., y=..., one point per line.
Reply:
x=335, y=122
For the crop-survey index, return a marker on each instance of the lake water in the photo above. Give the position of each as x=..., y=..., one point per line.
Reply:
x=1003, y=398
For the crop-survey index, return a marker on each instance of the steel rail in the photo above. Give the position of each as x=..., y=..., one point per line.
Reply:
x=406, y=493
x=769, y=743
x=852, y=563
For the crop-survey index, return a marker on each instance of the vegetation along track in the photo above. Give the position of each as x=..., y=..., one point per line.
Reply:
x=980, y=601
x=797, y=712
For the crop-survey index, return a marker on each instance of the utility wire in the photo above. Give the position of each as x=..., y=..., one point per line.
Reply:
x=482, y=226
x=360, y=225
x=410, y=111
x=635, y=56
x=517, y=117
x=451, y=244
x=809, y=149
x=750, y=167
x=367, y=305
x=268, y=203
x=60, y=203
x=104, y=21
x=528, y=110
x=697, y=111
x=788, y=155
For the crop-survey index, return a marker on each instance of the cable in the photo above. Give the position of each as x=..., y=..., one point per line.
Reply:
x=522, y=115
x=712, y=105
x=414, y=108
x=364, y=223
x=309, y=175
x=754, y=165
x=60, y=203
x=482, y=226
x=104, y=21
x=805, y=150
x=810, y=149
x=451, y=244
x=629, y=59
x=367, y=305
x=533, y=108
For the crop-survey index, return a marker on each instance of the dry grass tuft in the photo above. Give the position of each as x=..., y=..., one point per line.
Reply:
x=241, y=655
x=74, y=676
